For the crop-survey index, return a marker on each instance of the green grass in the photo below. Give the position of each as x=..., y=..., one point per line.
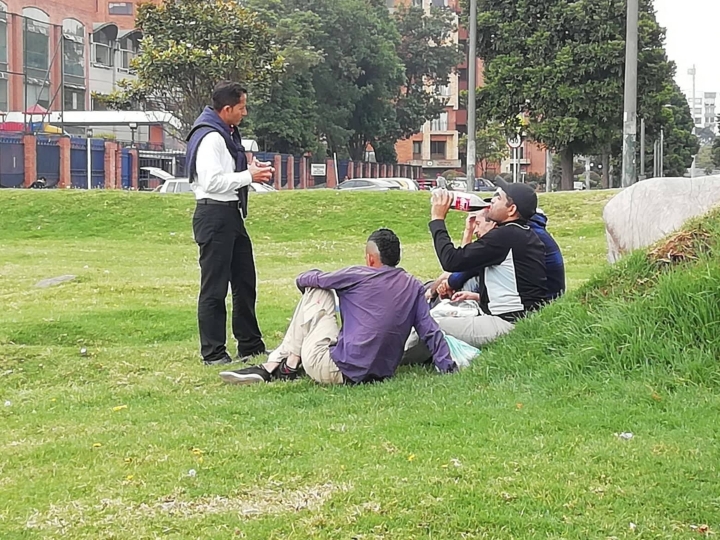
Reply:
x=521, y=445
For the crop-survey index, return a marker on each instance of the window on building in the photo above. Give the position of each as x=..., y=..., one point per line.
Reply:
x=74, y=50
x=3, y=38
x=120, y=8
x=129, y=49
x=37, y=94
x=36, y=32
x=98, y=105
x=103, y=48
x=440, y=123
x=443, y=90
x=417, y=149
x=438, y=149
x=417, y=3
x=4, y=95
x=74, y=99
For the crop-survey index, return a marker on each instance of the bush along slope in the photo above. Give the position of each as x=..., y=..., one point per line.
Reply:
x=656, y=312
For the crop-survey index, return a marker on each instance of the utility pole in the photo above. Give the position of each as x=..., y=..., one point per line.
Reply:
x=472, y=81
x=642, y=149
x=548, y=171
x=629, y=171
x=693, y=71
x=587, y=173
x=661, y=168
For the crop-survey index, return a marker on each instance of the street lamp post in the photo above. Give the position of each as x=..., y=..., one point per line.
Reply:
x=89, y=135
x=472, y=81
x=133, y=126
x=629, y=169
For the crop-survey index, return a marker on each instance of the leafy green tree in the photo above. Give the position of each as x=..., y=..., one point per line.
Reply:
x=370, y=76
x=704, y=157
x=287, y=120
x=716, y=151
x=561, y=65
x=490, y=145
x=343, y=75
x=429, y=57
x=668, y=111
x=188, y=46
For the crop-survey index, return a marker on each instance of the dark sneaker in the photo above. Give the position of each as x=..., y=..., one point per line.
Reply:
x=250, y=375
x=245, y=358
x=219, y=361
x=286, y=373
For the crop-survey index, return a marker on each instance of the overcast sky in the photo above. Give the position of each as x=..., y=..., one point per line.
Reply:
x=693, y=27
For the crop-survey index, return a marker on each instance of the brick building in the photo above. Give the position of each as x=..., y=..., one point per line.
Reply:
x=54, y=54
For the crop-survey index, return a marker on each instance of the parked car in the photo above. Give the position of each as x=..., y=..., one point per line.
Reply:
x=481, y=184
x=407, y=184
x=174, y=185
x=182, y=185
x=427, y=184
x=368, y=184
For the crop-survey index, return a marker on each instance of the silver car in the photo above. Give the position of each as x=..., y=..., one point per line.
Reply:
x=368, y=184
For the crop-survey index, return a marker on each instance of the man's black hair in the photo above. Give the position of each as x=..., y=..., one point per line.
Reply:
x=388, y=245
x=227, y=94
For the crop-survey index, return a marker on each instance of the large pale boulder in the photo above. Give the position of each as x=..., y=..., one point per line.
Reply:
x=650, y=210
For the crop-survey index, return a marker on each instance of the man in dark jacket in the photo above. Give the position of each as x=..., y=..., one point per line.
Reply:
x=220, y=175
x=508, y=256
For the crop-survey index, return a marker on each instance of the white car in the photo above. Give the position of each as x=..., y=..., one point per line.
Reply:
x=406, y=184
x=182, y=185
x=368, y=184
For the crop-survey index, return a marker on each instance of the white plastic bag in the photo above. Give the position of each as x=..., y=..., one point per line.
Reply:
x=463, y=308
x=461, y=353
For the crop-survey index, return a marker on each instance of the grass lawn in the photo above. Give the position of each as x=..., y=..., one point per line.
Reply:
x=136, y=439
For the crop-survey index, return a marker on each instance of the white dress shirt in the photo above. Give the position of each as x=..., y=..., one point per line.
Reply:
x=216, y=177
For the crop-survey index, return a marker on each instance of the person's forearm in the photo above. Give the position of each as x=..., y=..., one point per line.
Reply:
x=467, y=237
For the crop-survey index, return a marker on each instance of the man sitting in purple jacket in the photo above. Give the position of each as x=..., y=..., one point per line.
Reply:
x=379, y=305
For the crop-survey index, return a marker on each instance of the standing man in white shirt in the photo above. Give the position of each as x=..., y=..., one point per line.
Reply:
x=220, y=174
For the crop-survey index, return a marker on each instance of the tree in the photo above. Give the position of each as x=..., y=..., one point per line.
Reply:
x=704, y=157
x=188, y=46
x=561, y=65
x=287, y=121
x=429, y=57
x=668, y=111
x=716, y=151
x=490, y=145
x=343, y=75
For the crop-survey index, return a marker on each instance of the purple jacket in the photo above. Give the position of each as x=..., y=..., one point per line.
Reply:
x=378, y=307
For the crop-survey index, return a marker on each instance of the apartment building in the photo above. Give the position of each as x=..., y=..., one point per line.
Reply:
x=54, y=54
x=703, y=110
x=436, y=146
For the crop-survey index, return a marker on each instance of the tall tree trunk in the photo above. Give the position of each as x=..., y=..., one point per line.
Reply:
x=567, y=166
x=606, y=169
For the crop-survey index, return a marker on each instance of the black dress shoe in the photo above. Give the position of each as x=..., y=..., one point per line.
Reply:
x=223, y=360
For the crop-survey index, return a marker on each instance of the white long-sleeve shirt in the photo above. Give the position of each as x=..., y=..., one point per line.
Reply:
x=216, y=176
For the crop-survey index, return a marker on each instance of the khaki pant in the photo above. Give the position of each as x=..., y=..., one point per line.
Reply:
x=313, y=330
x=475, y=331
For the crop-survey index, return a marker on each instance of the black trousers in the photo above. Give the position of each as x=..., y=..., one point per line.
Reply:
x=226, y=257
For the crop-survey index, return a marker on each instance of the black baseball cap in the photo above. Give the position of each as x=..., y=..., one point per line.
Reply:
x=523, y=196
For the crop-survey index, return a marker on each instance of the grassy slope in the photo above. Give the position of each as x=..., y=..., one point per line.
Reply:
x=520, y=446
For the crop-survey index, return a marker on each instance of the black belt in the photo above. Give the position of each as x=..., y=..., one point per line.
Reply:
x=233, y=204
